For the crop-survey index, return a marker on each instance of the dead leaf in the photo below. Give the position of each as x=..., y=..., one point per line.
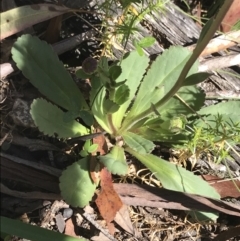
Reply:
x=95, y=166
x=225, y=188
x=53, y=30
x=122, y=218
x=100, y=237
x=69, y=228
x=232, y=16
x=17, y=19
x=102, y=144
x=108, y=201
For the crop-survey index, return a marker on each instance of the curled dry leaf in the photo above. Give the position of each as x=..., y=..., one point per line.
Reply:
x=108, y=201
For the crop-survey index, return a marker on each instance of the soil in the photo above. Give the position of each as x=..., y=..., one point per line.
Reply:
x=32, y=162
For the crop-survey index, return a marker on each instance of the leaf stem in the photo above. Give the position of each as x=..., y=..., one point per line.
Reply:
x=202, y=43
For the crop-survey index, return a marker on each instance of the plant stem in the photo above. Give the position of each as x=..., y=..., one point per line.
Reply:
x=202, y=43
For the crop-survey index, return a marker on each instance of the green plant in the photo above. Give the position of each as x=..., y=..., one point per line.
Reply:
x=133, y=101
x=119, y=21
x=31, y=232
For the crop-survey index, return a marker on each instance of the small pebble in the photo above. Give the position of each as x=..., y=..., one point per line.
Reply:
x=52, y=223
x=67, y=213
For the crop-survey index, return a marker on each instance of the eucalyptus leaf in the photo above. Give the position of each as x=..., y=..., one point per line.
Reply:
x=20, y=18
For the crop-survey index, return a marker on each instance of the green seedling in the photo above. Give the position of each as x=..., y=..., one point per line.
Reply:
x=144, y=43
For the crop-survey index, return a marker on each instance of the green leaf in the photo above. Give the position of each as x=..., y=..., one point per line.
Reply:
x=87, y=144
x=20, y=18
x=99, y=109
x=76, y=185
x=160, y=78
x=115, y=71
x=138, y=143
x=225, y=108
x=80, y=73
x=40, y=64
x=176, y=178
x=177, y=124
x=191, y=95
x=103, y=70
x=31, y=232
x=122, y=94
x=157, y=128
x=196, y=78
x=110, y=106
x=139, y=50
x=115, y=161
x=224, y=126
x=146, y=42
x=92, y=148
x=83, y=153
x=133, y=68
x=87, y=117
x=49, y=119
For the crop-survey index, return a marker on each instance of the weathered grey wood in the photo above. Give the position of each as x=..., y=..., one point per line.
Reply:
x=178, y=29
x=177, y=26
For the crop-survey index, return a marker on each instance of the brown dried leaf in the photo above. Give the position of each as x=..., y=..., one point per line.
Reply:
x=53, y=30
x=69, y=228
x=102, y=144
x=108, y=201
x=232, y=16
x=225, y=188
x=122, y=218
x=94, y=164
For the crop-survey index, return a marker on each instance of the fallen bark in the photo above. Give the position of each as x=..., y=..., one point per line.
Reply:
x=130, y=194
